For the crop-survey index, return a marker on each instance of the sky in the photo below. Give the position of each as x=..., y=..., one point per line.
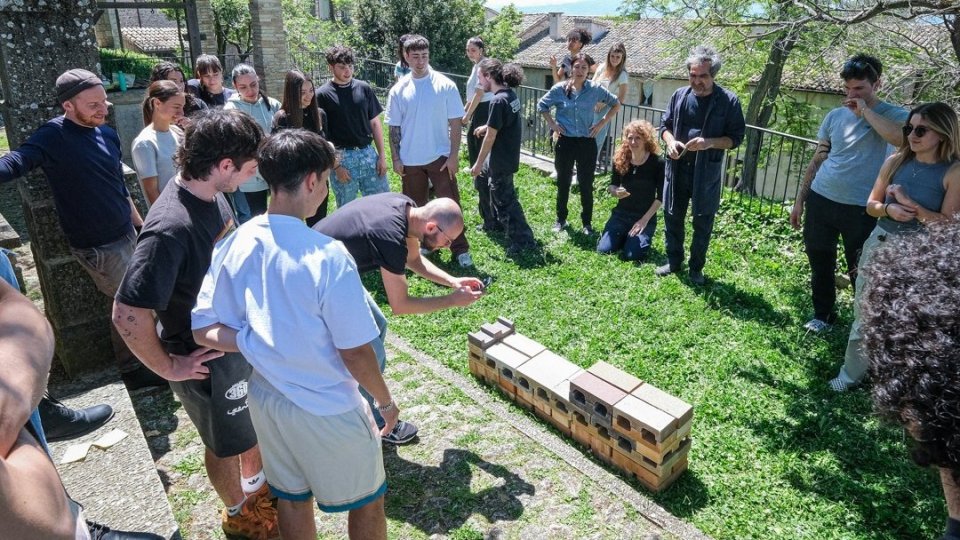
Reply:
x=568, y=7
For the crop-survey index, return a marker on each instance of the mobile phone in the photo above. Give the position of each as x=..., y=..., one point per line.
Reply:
x=486, y=282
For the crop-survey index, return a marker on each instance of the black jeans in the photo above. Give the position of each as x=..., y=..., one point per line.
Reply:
x=480, y=117
x=583, y=152
x=498, y=198
x=675, y=222
x=826, y=222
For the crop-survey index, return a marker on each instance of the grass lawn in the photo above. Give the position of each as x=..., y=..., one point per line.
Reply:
x=776, y=454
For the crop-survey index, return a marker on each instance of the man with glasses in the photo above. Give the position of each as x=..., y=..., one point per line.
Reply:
x=853, y=141
x=385, y=232
x=353, y=123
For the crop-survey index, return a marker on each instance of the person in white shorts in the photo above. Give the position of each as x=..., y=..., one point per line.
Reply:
x=290, y=299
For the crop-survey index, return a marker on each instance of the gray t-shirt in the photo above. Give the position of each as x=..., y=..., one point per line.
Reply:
x=856, y=153
x=153, y=154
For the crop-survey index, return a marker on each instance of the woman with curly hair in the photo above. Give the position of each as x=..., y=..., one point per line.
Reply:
x=914, y=350
x=917, y=185
x=637, y=181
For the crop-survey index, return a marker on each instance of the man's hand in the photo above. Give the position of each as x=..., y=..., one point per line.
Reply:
x=796, y=215
x=381, y=166
x=480, y=132
x=343, y=175
x=469, y=282
x=398, y=166
x=674, y=149
x=190, y=367
x=464, y=296
x=556, y=128
x=477, y=169
x=553, y=62
x=697, y=144
x=390, y=418
x=856, y=105
x=637, y=227
x=450, y=165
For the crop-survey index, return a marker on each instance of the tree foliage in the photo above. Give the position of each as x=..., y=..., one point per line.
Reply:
x=309, y=36
x=500, y=35
x=446, y=23
x=231, y=23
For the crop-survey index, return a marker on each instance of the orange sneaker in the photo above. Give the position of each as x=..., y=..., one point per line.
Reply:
x=257, y=519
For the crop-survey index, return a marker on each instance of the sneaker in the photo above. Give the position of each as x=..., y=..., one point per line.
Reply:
x=666, y=270
x=588, y=230
x=697, y=277
x=559, y=226
x=61, y=422
x=257, y=519
x=102, y=532
x=553, y=175
x=465, y=260
x=817, y=326
x=402, y=433
x=573, y=180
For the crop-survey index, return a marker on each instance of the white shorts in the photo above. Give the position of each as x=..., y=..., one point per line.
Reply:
x=335, y=459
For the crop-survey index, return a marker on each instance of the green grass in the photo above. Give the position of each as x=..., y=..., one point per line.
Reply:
x=775, y=453
x=4, y=143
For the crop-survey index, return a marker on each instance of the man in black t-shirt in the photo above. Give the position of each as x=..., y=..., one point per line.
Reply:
x=385, y=232
x=353, y=121
x=172, y=255
x=501, y=143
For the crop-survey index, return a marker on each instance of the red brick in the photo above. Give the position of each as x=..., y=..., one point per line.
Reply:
x=615, y=376
x=594, y=396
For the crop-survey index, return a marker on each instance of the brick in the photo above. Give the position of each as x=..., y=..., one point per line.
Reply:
x=560, y=397
x=666, y=467
x=657, y=451
x=655, y=483
x=509, y=389
x=562, y=423
x=506, y=322
x=594, y=396
x=524, y=344
x=615, y=376
x=476, y=368
x=542, y=408
x=600, y=446
x=581, y=428
x=481, y=340
x=522, y=398
x=667, y=403
x=544, y=371
x=497, y=330
x=641, y=421
x=490, y=370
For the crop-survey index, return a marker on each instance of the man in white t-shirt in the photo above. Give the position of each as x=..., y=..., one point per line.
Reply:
x=424, y=112
x=290, y=299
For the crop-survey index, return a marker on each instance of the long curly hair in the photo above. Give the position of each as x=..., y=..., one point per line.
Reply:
x=623, y=155
x=911, y=331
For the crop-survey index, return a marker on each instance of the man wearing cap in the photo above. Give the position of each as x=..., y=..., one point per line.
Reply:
x=80, y=156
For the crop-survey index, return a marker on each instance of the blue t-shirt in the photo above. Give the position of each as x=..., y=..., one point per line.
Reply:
x=82, y=165
x=856, y=153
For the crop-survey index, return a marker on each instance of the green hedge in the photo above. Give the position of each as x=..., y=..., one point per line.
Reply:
x=114, y=60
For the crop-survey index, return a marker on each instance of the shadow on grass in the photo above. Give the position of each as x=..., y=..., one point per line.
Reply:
x=438, y=500
x=846, y=459
x=740, y=304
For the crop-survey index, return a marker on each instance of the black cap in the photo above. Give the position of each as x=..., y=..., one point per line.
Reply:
x=75, y=81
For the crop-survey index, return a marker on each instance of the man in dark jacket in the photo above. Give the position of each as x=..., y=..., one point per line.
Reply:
x=701, y=122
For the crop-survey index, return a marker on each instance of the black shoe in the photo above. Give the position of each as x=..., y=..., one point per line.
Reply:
x=588, y=230
x=61, y=422
x=697, y=277
x=666, y=270
x=142, y=377
x=102, y=532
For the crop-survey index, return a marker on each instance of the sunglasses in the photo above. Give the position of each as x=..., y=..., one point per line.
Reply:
x=919, y=131
x=857, y=65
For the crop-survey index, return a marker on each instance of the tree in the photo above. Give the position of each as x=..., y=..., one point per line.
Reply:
x=446, y=23
x=231, y=23
x=500, y=35
x=309, y=36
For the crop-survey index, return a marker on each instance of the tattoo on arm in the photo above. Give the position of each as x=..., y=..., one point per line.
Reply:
x=395, y=142
x=819, y=156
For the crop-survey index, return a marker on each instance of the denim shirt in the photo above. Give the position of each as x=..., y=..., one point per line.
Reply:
x=575, y=113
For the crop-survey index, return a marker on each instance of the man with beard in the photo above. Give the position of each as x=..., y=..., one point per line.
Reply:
x=385, y=231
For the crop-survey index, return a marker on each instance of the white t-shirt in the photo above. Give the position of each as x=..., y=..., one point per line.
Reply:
x=473, y=82
x=612, y=86
x=153, y=153
x=421, y=108
x=295, y=296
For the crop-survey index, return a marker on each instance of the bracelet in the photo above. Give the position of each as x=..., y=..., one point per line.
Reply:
x=885, y=212
x=384, y=408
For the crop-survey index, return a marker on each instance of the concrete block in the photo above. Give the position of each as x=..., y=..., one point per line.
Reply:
x=546, y=370
x=506, y=322
x=581, y=428
x=476, y=367
x=657, y=451
x=560, y=397
x=666, y=467
x=524, y=344
x=641, y=421
x=480, y=340
x=674, y=406
x=596, y=397
x=507, y=361
x=615, y=376
x=497, y=330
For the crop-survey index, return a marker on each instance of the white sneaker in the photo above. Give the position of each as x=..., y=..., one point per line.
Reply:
x=553, y=175
x=465, y=260
x=817, y=326
x=573, y=180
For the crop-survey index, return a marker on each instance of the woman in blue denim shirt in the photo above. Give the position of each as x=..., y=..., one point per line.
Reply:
x=575, y=100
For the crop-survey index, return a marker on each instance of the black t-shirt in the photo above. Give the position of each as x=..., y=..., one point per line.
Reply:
x=374, y=230
x=172, y=255
x=212, y=100
x=693, y=119
x=645, y=184
x=505, y=118
x=349, y=111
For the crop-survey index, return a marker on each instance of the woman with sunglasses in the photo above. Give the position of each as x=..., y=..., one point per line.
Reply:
x=575, y=101
x=917, y=185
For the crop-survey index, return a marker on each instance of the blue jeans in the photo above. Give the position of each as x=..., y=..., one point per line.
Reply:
x=240, y=206
x=361, y=163
x=381, y=352
x=616, y=236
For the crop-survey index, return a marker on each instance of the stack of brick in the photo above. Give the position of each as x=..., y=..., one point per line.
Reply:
x=625, y=422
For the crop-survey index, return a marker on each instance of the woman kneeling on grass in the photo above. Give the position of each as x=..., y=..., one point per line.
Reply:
x=917, y=185
x=637, y=181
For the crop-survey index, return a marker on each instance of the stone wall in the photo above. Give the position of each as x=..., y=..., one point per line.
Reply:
x=269, y=44
x=59, y=35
